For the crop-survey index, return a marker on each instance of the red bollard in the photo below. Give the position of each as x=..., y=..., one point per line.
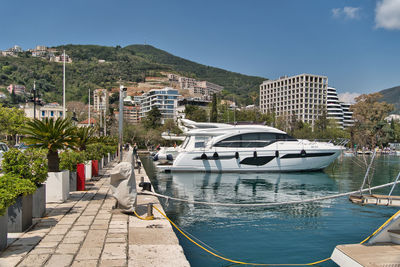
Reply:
x=95, y=168
x=80, y=177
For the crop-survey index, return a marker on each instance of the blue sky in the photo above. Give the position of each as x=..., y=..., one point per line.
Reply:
x=355, y=43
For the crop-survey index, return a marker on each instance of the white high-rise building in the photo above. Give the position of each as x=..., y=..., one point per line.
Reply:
x=334, y=108
x=303, y=96
x=348, y=120
x=100, y=99
x=166, y=100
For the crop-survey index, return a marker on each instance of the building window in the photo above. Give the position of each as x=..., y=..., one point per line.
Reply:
x=51, y=113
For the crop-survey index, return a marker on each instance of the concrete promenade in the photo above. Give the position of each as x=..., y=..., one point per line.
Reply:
x=86, y=231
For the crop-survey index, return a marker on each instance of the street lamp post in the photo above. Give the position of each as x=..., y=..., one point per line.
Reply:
x=122, y=90
x=34, y=99
x=64, y=115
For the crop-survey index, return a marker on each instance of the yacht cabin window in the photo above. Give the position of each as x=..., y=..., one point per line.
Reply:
x=253, y=140
x=200, y=141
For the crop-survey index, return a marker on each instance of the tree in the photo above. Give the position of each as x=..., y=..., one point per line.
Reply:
x=369, y=115
x=171, y=127
x=11, y=120
x=214, y=110
x=52, y=135
x=153, y=118
x=84, y=137
x=195, y=113
x=322, y=122
x=133, y=133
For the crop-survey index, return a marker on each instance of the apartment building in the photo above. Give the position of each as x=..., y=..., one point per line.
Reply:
x=166, y=100
x=303, y=96
x=195, y=87
x=338, y=110
x=348, y=120
x=100, y=99
x=334, y=109
x=205, y=88
x=51, y=110
x=132, y=113
x=17, y=89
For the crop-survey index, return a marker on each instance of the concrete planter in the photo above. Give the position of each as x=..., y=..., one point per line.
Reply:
x=3, y=231
x=105, y=161
x=109, y=157
x=20, y=214
x=95, y=168
x=57, y=186
x=88, y=169
x=39, y=202
x=100, y=164
x=72, y=181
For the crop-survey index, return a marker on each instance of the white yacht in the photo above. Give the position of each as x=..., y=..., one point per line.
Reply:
x=254, y=148
x=166, y=155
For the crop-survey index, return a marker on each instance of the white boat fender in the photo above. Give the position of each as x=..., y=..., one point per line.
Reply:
x=204, y=156
x=236, y=155
x=277, y=153
x=255, y=154
x=215, y=155
x=303, y=153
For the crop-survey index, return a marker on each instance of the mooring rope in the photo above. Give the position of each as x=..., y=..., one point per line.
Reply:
x=269, y=204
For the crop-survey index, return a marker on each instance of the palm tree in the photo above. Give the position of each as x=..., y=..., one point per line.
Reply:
x=52, y=135
x=84, y=137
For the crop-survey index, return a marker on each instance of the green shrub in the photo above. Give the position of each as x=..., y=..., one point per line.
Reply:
x=30, y=164
x=94, y=151
x=11, y=187
x=69, y=159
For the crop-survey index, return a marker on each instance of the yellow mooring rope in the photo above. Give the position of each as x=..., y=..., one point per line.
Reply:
x=257, y=264
x=147, y=218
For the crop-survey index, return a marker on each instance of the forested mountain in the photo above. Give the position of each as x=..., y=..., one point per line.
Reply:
x=392, y=96
x=130, y=64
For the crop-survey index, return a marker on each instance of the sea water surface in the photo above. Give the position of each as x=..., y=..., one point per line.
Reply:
x=289, y=234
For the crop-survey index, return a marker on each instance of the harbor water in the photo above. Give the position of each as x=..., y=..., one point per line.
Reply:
x=279, y=235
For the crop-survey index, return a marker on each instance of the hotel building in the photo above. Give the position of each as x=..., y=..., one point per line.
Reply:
x=334, y=109
x=166, y=100
x=303, y=96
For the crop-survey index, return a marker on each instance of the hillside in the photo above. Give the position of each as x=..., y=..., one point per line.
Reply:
x=392, y=96
x=131, y=64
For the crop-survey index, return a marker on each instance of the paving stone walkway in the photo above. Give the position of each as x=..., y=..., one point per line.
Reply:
x=86, y=231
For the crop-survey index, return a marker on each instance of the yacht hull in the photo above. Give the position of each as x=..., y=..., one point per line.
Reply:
x=226, y=160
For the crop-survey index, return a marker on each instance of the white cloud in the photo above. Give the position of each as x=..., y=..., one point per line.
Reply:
x=336, y=12
x=348, y=97
x=346, y=12
x=387, y=14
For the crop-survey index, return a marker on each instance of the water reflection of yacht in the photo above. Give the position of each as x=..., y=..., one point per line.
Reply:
x=251, y=148
x=237, y=187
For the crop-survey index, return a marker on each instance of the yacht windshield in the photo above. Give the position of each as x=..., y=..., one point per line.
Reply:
x=253, y=140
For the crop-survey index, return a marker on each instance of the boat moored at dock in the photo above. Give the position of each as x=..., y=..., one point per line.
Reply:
x=254, y=148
